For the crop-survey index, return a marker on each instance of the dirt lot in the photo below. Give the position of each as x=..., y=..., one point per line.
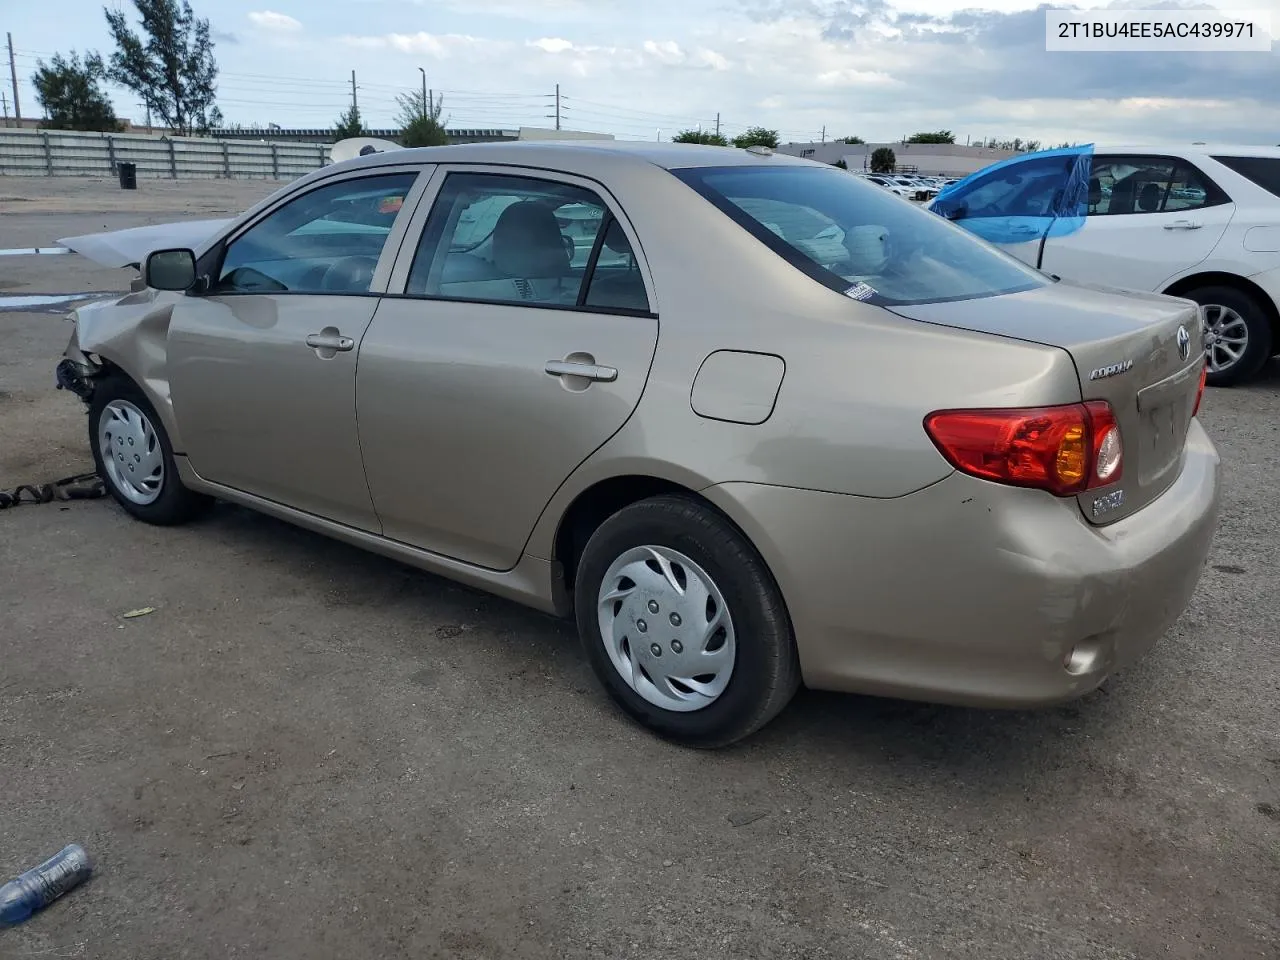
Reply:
x=309, y=752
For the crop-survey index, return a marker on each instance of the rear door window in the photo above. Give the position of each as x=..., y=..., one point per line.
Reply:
x=511, y=239
x=1145, y=184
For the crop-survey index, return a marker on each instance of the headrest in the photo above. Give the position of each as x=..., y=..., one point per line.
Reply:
x=527, y=242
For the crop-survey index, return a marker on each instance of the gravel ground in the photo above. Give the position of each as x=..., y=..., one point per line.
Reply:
x=310, y=752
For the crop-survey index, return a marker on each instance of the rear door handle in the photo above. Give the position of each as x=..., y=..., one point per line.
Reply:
x=328, y=341
x=1184, y=225
x=588, y=371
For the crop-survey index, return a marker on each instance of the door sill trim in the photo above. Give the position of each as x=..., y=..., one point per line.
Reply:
x=531, y=582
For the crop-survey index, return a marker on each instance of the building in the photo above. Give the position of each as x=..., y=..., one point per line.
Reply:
x=929, y=159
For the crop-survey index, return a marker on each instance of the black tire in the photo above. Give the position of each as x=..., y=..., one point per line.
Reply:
x=175, y=503
x=1258, y=349
x=766, y=672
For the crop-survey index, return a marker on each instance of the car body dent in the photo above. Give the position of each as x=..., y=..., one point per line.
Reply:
x=131, y=332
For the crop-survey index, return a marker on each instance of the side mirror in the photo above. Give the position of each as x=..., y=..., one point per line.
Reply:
x=170, y=270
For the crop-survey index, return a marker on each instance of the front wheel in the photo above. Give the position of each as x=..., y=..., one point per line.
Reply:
x=683, y=623
x=1237, y=334
x=132, y=453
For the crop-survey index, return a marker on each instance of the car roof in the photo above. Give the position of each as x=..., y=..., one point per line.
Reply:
x=670, y=156
x=1220, y=149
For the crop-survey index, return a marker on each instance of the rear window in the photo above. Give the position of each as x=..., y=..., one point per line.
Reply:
x=1264, y=171
x=860, y=239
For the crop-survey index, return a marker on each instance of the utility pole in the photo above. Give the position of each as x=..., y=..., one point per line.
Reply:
x=5, y=100
x=557, y=106
x=354, y=104
x=13, y=75
x=717, y=124
x=148, y=106
x=824, y=134
x=426, y=104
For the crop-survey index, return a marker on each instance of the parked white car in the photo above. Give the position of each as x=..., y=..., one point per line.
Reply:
x=891, y=184
x=1200, y=222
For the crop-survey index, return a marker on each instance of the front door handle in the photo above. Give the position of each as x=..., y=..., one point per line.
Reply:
x=330, y=341
x=1184, y=225
x=587, y=371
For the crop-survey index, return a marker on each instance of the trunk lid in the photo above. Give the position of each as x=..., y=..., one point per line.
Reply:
x=1140, y=352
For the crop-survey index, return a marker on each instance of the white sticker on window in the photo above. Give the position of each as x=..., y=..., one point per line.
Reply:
x=861, y=291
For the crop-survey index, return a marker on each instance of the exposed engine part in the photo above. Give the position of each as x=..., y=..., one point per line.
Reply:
x=77, y=377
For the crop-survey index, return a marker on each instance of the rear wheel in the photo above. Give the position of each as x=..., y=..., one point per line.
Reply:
x=132, y=453
x=1237, y=334
x=683, y=624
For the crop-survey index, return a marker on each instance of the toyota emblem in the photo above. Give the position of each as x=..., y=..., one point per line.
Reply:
x=1184, y=343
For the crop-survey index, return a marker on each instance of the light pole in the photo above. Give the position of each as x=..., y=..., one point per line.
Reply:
x=426, y=107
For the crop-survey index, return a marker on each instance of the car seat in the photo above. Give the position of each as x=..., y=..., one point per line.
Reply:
x=1149, y=197
x=529, y=249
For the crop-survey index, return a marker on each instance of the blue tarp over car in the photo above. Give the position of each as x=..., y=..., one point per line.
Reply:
x=1024, y=198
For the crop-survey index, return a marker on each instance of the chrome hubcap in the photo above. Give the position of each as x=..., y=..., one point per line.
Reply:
x=666, y=628
x=130, y=451
x=1226, y=336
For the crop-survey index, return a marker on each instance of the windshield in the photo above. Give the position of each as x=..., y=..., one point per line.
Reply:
x=859, y=239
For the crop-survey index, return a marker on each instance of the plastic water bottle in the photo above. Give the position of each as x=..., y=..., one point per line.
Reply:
x=40, y=886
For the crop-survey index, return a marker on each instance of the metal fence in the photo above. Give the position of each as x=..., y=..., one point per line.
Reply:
x=58, y=153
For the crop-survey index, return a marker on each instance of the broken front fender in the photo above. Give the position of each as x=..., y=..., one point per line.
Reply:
x=131, y=334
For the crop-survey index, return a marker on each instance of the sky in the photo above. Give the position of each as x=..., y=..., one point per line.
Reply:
x=646, y=69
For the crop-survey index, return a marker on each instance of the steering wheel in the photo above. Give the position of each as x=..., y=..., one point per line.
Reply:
x=349, y=275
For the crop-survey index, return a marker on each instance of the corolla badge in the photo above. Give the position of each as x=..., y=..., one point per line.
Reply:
x=1111, y=370
x=1184, y=343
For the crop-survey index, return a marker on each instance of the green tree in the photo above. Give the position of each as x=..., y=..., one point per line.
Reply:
x=841, y=164
x=854, y=139
x=170, y=65
x=701, y=136
x=757, y=137
x=70, y=92
x=937, y=136
x=419, y=120
x=883, y=160
x=349, y=124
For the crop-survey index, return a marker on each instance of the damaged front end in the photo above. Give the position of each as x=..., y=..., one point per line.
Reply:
x=77, y=376
x=77, y=370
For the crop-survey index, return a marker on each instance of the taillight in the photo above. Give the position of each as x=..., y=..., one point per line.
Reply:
x=1204, y=372
x=1064, y=450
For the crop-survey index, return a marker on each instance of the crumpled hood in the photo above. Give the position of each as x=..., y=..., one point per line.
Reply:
x=126, y=248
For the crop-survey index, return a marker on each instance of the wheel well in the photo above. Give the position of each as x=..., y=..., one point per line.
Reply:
x=597, y=504
x=1243, y=284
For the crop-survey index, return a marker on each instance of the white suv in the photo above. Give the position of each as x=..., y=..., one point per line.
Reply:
x=1201, y=223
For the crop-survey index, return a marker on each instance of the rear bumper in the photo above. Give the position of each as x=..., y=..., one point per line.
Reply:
x=972, y=593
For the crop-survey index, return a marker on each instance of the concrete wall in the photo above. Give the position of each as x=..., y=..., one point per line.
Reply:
x=59, y=153
x=54, y=153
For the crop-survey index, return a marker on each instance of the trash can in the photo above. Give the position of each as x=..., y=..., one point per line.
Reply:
x=128, y=175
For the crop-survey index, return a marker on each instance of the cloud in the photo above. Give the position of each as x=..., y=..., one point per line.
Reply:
x=855, y=78
x=867, y=67
x=551, y=44
x=225, y=37
x=434, y=45
x=276, y=22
